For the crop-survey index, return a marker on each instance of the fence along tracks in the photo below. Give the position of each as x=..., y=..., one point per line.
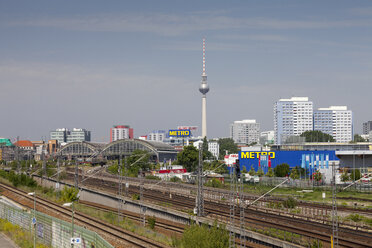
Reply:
x=107, y=229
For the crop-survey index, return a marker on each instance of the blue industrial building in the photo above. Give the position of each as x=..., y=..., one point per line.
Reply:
x=292, y=158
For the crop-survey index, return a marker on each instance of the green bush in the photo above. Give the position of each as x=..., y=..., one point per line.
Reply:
x=214, y=182
x=196, y=236
x=18, y=179
x=281, y=170
x=69, y=194
x=153, y=177
x=135, y=197
x=174, y=179
x=151, y=221
x=355, y=217
x=290, y=203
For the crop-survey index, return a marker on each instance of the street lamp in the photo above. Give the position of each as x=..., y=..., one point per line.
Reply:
x=34, y=219
x=69, y=204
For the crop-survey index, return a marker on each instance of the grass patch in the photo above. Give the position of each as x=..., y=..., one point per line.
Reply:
x=24, y=239
x=359, y=218
x=126, y=223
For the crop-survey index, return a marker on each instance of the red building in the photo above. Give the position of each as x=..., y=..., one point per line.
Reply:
x=121, y=132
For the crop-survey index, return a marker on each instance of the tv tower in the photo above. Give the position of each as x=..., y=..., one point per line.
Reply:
x=204, y=88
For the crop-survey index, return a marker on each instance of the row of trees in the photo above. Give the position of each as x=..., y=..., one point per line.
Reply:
x=318, y=136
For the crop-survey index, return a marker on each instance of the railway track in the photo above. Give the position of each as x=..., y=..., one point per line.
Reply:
x=167, y=225
x=318, y=231
x=219, y=193
x=112, y=231
x=347, y=238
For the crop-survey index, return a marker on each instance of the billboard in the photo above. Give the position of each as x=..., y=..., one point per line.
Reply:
x=304, y=159
x=179, y=133
x=192, y=128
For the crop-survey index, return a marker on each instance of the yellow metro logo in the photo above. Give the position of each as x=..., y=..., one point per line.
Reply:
x=179, y=133
x=252, y=155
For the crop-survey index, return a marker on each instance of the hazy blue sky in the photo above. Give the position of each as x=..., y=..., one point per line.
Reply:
x=93, y=64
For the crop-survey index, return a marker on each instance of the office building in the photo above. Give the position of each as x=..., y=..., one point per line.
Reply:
x=60, y=134
x=121, y=132
x=367, y=127
x=157, y=135
x=292, y=117
x=336, y=121
x=63, y=135
x=245, y=131
x=267, y=137
x=78, y=135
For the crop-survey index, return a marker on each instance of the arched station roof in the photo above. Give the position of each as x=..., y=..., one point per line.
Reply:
x=124, y=147
x=81, y=148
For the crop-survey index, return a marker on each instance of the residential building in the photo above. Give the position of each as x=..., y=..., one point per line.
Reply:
x=336, y=121
x=292, y=117
x=245, y=131
x=267, y=137
x=77, y=135
x=214, y=148
x=121, y=132
x=367, y=127
x=52, y=146
x=25, y=145
x=60, y=134
x=157, y=135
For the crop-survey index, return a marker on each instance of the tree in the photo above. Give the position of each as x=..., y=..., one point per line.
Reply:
x=252, y=172
x=260, y=172
x=227, y=144
x=216, y=166
x=355, y=175
x=345, y=176
x=317, y=136
x=189, y=158
x=196, y=236
x=294, y=174
x=244, y=169
x=69, y=194
x=281, y=170
x=317, y=176
x=270, y=172
x=139, y=160
x=205, y=145
x=358, y=138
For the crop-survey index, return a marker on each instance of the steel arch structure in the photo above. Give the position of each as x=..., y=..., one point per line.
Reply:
x=158, y=151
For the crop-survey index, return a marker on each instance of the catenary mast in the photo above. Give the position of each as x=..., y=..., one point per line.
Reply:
x=204, y=88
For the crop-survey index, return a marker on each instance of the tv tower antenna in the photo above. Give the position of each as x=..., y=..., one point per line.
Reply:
x=204, y=88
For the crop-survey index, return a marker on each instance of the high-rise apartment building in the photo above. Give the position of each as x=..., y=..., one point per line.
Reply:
x=292, y=117
x=245, y=131
x=367, y=127
x=336, y=121
x=157, y=135
x=121, y=132
x=214, y=148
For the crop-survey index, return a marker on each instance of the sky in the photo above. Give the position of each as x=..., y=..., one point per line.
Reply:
x=94, y=64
